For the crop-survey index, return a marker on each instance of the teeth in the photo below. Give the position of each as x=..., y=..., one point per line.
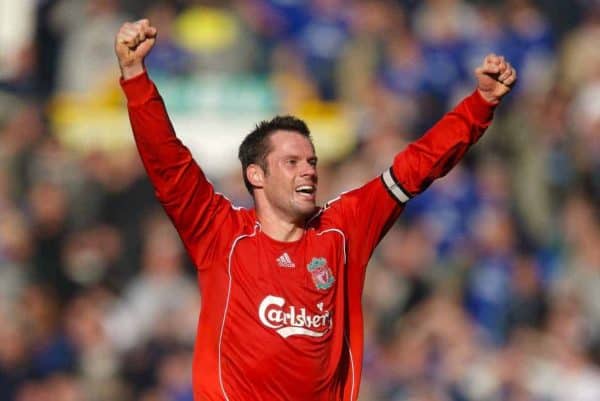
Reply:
x=305, y=189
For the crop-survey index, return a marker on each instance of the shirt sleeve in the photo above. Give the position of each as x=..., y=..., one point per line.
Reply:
x=434, y=154
x=199, y=214
x=372, y=209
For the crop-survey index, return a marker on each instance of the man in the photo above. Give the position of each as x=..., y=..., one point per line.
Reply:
x=282, y=283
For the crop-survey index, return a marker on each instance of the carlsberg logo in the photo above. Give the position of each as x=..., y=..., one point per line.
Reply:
x=292, y=321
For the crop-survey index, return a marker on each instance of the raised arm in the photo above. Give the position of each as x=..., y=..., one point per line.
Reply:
x=179, y=183
x=435, y=153
x=374, y=207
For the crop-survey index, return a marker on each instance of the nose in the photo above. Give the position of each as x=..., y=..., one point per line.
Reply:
x=309, y=170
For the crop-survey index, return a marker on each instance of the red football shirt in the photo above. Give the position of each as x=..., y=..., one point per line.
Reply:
x=283, y=320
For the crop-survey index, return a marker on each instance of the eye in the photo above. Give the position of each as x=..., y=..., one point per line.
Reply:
x=313, y=162
x=291, y=162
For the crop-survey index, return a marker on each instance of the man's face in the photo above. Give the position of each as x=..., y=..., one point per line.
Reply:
x=290, y=183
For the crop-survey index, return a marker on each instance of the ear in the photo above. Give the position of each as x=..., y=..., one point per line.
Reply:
x=256, y=175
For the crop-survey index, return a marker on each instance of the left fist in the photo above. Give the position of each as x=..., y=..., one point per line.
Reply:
x=495, y=78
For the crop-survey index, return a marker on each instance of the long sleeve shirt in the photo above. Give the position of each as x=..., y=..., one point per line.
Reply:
x=283, y=320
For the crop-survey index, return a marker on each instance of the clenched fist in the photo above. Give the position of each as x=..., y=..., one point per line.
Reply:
x=495, y=78
x=132, y=43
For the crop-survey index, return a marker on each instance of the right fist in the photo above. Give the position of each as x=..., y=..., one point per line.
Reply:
x=132, y=43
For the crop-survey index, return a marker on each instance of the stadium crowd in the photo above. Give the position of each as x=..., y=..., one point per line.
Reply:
x=487, y=288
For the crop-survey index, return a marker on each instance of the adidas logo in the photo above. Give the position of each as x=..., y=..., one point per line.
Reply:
x=285, y=261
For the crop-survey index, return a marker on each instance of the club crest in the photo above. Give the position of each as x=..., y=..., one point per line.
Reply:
x=321, y=273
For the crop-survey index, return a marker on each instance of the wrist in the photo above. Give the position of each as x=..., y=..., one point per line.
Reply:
x=130, y=71
x=491, y=99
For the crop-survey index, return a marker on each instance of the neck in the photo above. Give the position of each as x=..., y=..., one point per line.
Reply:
x=279, y=228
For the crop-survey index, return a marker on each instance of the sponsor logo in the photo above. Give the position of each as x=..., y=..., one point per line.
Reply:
x=291, y=320
x=321, y=273
x=285, y=261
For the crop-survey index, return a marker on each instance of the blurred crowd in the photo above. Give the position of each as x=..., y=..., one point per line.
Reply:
x=487, y=288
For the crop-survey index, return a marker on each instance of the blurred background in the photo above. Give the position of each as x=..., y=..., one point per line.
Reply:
x=488, y=287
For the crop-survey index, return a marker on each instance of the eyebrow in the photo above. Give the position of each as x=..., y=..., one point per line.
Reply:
x=295, y=156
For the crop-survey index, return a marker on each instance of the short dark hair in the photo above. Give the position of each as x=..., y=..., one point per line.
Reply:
x=256, y=146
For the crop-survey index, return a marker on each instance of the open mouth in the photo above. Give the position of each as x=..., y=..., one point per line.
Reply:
x=306, y=190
